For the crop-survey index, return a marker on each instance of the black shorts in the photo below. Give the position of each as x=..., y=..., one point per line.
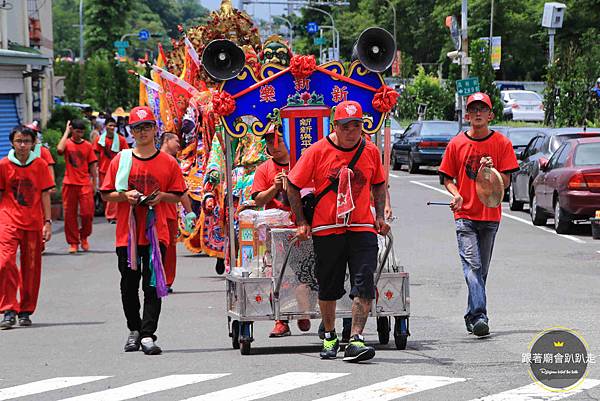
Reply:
x=358, y=251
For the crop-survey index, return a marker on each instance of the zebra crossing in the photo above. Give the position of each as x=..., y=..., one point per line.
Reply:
x=387, y=390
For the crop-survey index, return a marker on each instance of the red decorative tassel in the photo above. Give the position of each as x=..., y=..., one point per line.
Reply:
x=302, y=66
x=385, y=99
x=223, y=103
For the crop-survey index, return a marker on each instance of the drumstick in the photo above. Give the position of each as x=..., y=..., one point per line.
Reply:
x=438, y=204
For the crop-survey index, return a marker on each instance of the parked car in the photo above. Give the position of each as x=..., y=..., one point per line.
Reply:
x=522, y=105
x=543, y=145
x=503, y=129
x=423, y=143
x=520, y=137
x=568, y=185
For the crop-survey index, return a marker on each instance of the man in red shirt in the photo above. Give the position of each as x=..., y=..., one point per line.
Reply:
x=268, y=190
x=24, y=224
x=476, y=224
x=106, y=148
x=343, y=236
x=78, y=189
x=145, y=172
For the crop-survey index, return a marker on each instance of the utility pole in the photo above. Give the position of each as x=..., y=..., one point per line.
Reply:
x=464, y=60
x=80, y=31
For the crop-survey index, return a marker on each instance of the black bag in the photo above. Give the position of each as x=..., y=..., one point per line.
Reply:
x=310, y=201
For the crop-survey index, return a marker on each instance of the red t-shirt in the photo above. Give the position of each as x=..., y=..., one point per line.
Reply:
x=22, y=187
x=78, y=157
x=322, y=162
x=106, y=154
x=461, y=161
x=47, y=156
x=263, y=180
x=161, y=172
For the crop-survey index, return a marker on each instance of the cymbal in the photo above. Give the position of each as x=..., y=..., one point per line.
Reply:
x=489, y=186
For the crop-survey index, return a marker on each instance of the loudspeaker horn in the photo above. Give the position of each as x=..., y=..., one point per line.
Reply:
x=375, y=49
x=223, y=60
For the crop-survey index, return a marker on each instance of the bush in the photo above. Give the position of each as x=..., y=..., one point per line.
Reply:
x=62, y=114
x=428, y=90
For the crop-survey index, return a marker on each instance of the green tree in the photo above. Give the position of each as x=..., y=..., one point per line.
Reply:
x=426, y=90
x=104, y=23
x=481, y=67
x=65, y=34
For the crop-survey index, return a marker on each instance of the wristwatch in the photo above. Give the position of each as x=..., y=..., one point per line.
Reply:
x=48, y=221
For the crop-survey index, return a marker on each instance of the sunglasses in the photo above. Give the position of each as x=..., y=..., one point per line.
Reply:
x=481, y=109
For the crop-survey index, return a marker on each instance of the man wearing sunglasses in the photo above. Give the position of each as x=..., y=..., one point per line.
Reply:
x=144, y=183
x=476, y=224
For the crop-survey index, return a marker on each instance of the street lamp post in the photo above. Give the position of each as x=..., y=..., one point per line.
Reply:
x=394, y=10
x=80, y=31
x=335, y=51
x=291, y=27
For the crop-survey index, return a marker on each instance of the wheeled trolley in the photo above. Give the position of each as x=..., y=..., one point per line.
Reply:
x=289, y=291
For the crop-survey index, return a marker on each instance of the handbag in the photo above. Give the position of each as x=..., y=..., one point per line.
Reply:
x=310, y=201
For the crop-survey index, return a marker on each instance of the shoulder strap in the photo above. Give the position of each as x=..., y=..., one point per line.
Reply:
x=334, y=183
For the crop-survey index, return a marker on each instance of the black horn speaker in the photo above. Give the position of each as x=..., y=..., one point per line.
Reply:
x=375, y=49
x=222, y=59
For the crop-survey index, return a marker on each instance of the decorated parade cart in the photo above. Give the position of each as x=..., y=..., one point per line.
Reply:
x=223, y=96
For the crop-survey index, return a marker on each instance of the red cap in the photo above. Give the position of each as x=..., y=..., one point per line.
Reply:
x=33, y=126
x=348, y=111
x=479, y=97
x=141, y=114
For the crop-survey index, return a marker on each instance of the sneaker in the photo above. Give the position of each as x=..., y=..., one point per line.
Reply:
x=469, y=325
x=357, y=351
x=481, y=328
x=169, y=289
x=321, y=330
x=304, y=324
x=85, y=245
x=347, y=326
x=9, y=320
x=73, y=248
x=149, y=347
x=281, y=329
x=330, y=347
x=24, y=319
x=133, y=341
x=112, y=221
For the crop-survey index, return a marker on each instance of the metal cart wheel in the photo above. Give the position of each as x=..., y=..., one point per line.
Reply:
x=245, y=337
x=235, y=334
x=401, y=332
x=383, y=329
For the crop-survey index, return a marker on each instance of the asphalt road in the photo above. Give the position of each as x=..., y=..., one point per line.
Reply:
x=537, y=280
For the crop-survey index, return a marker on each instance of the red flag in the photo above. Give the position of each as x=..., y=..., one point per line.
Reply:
x=191, y=67
x=179, y=92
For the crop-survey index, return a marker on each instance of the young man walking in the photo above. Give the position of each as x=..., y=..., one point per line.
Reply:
x=268, y=190
x=78, y=188
x=142, y=181
x=476, y=224
x=106, y=146
x=25, y=225
x=346, y=170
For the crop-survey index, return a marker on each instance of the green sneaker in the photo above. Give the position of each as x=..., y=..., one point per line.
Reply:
x=357, y=351
x=330, y=348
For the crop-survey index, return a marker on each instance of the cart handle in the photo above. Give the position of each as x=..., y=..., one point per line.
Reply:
x=285, y=262
x=386, y=254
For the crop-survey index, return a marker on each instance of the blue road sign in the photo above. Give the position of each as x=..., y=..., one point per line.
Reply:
x=312, y=27
x=144, y=35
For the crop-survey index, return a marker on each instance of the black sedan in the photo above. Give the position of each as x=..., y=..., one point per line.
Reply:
x=423, y=143
x=520, y=137
x=543, y=145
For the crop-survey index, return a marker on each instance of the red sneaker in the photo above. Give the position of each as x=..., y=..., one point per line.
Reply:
x=304, y=324
x=85, y=245
x=281, y=329
x=72, y=248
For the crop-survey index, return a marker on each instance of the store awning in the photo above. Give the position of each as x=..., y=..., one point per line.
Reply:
x=13, y=57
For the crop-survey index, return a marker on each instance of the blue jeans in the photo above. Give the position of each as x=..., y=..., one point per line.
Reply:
x=475, y=245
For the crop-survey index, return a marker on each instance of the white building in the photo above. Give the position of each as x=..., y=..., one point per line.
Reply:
x=26, y=55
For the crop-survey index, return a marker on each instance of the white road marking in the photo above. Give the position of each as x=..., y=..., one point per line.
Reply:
x=394, y=388
x=510, y=216
x=43, y=386
x=146, y=387
x=534, y=392
x=268, y=387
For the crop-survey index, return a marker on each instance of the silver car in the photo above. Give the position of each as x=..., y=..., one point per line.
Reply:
x=522, y=105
